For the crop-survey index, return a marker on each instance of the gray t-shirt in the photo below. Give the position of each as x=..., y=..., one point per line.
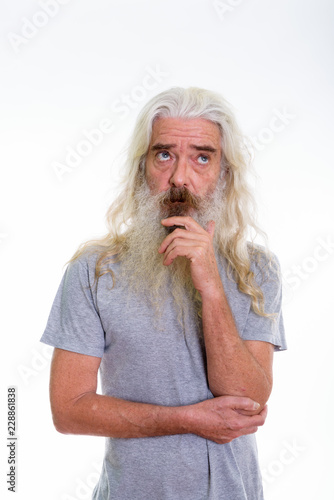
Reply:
x=163, y=365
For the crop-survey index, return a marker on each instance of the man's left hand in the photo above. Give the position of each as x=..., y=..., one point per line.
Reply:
x=196, y=244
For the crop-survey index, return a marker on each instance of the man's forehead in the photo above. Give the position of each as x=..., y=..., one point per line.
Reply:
x=197, y=131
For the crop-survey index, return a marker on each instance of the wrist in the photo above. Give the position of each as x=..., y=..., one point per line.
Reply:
x=172, y=420
x=213, y=293
x=191, y=416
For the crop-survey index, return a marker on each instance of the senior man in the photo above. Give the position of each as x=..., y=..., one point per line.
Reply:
x=178, y=311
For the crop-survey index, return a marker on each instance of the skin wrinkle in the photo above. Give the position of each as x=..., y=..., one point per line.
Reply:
x=184, y=169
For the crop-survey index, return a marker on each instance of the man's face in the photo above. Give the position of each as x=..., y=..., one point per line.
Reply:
x=183, y=168
x=184, y=154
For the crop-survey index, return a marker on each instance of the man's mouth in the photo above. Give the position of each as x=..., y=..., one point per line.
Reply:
x=178, y=196
x=177, y=203
x=179, y=199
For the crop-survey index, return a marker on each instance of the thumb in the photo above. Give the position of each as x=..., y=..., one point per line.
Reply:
x=211, y=228
x=246, y=404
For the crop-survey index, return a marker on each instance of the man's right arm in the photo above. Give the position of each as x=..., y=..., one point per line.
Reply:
x=77, y=409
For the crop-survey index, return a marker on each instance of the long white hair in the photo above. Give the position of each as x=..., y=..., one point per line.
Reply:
x=237, y=223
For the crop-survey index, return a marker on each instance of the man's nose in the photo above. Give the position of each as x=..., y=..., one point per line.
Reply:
x=180, y=173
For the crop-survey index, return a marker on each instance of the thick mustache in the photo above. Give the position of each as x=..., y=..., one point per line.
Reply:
x=180, y=195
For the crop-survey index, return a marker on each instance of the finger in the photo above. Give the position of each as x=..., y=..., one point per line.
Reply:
x=260, y=411
x=249, y=430
x=228, y=436
x=243, y=421
x=242, y=403
x=263, y=413
x=179, y=234
x=188, y=249
x=180, y=220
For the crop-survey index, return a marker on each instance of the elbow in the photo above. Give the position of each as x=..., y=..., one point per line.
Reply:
x=61, y=422
x=69, y=417
x=60, y=428
x=217, y=392
x=63, y=418
x=216, y=387
x=259, y=394
x=264, y=393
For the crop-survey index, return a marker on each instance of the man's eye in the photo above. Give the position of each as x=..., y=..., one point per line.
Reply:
x=203, y=159
x=163, y=156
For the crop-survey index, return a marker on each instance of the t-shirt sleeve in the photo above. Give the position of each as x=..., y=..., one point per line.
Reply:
x=268, y=329
x=74, y=323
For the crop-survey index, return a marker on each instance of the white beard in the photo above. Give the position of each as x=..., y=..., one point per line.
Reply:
x=142, y=269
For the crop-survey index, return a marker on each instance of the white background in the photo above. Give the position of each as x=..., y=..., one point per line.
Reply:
x=71, y=72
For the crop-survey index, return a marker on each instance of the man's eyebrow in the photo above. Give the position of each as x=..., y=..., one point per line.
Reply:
x=204, y=147
x=210, y=149
x=159, y=146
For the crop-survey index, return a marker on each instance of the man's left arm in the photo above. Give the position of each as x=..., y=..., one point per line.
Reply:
x=234, y=366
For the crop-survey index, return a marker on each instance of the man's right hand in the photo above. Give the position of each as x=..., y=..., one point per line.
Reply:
x=219, y=419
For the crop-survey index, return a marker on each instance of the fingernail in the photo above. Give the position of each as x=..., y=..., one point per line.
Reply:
x=256, y=406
